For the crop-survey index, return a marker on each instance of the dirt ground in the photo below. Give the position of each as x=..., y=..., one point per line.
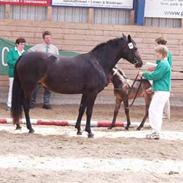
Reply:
x=56, y=154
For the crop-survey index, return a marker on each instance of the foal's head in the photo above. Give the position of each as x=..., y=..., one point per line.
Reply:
x=130, y=52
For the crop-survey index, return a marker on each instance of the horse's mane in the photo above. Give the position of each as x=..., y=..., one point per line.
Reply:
x=112, y=43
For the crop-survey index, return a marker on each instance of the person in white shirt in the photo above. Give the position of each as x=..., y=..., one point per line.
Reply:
x=46, y=47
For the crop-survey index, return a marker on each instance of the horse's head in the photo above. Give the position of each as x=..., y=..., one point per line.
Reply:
x=130, y=51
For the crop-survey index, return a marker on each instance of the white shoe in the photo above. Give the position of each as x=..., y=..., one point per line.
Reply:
x=153, y=136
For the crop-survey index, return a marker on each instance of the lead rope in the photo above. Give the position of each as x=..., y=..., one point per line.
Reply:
x=134, y=81
x=136, y=92
x=131, y=88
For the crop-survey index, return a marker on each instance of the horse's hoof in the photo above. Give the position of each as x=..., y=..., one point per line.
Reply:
x=31, y=131
x=18, y=127
x=90, y=135
x=109, y=128
x=127, y=128
x=79, y=133
x=139, y=128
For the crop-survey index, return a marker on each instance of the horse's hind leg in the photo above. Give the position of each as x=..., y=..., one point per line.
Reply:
x=26, y=107
x=126, y=107
x=80, y=115
x=116, y=110
x=144, y=120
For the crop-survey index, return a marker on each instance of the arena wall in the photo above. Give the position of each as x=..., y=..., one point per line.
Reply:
x=83, y=37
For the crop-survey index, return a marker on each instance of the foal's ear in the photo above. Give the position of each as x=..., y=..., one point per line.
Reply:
x=129, y=38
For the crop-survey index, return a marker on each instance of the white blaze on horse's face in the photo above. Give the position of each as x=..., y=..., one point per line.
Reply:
x=130, y=46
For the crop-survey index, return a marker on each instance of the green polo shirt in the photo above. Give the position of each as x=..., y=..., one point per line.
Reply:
x=169, y=58
x=161, y=76
x=12, y=58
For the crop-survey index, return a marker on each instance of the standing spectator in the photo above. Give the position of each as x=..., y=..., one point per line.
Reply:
x=162, y=41
x=46, y=47
x=12, y=58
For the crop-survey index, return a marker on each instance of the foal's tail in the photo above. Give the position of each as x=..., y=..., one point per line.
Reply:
x=17, y=98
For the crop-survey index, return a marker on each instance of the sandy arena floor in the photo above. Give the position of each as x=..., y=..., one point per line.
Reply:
x=56, y=154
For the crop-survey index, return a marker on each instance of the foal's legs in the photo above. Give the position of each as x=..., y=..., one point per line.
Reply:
x=90, y=102
x=126, y=107
x=26, y=107
x=116, y=110
x=18, y=127
x=80, y=115
x=147, y=98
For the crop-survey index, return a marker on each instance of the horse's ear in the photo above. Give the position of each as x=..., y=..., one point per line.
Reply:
x=129, y=38
x=123, y=36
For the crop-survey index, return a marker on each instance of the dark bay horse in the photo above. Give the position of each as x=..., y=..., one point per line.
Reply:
x=123, y=92
x=84, y=74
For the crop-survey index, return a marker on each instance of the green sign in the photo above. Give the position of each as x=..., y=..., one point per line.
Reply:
x=6, y=45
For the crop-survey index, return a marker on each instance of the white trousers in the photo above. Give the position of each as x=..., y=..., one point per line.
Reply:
x=10, y=92
x=167, y=110
x=156, y=109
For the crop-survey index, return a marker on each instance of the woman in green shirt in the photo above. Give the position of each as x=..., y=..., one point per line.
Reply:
x=162, y=41
x=161, y=78
x=12, y=58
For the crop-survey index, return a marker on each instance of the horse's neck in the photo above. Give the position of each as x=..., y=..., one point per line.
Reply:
x=108, y=58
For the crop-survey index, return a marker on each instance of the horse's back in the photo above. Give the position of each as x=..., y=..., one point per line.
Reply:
x=76, y=74
x=61, y=74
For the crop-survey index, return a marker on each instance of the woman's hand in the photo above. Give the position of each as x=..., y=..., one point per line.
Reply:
x=151, y=69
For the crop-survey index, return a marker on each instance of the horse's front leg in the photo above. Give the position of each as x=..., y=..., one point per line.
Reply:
x=26, y=107
x=90, y=103
x=80, y=115
x=126, y=107
x=116, y=110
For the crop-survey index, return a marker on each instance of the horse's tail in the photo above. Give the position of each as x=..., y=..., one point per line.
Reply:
x=17, y=97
